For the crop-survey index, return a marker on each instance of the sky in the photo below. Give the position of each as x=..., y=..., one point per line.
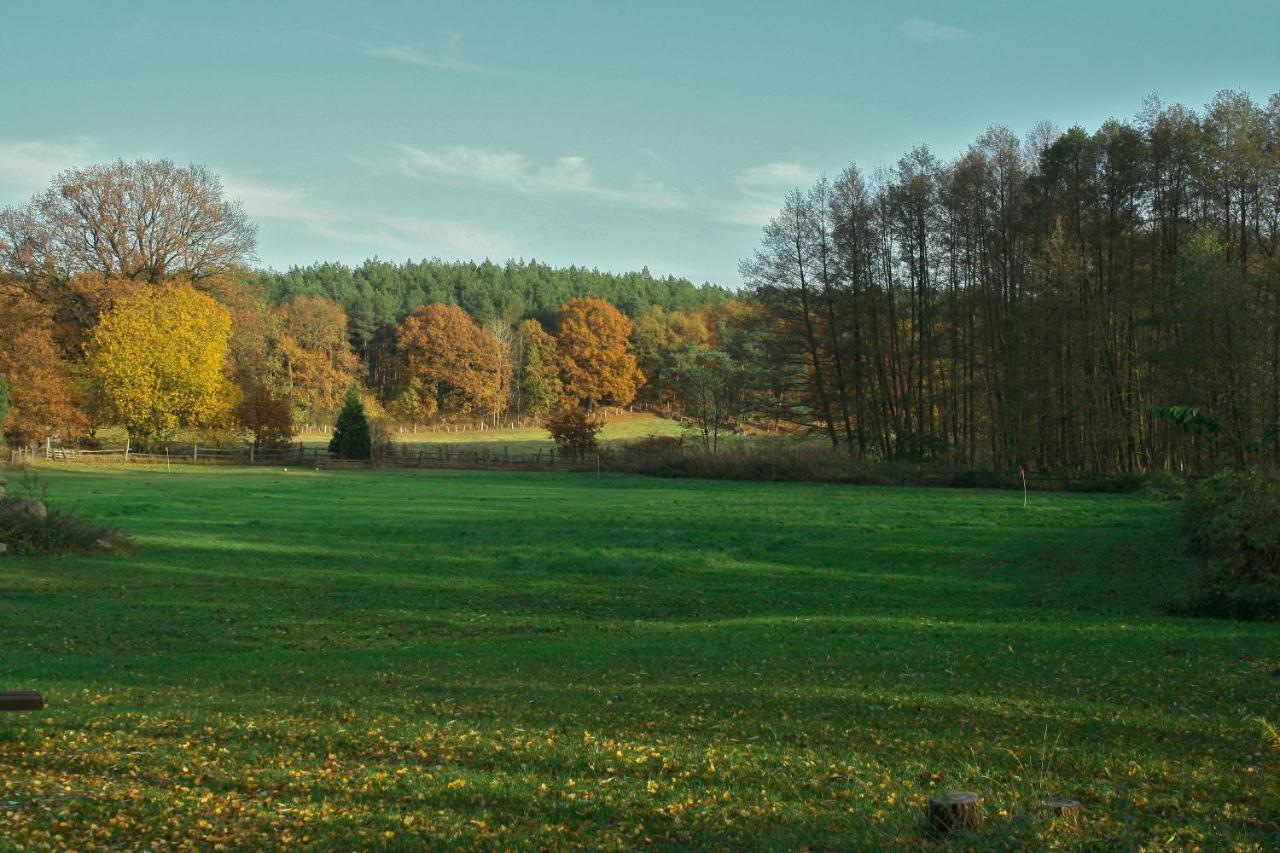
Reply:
x=604, y=134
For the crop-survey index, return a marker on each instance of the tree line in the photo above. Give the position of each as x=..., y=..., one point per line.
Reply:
x=127, y=299
x=1071, y=301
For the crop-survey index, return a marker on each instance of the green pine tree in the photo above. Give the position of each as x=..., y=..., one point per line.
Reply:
x=351, y=439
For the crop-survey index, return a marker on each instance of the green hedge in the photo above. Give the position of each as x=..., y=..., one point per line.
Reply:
x=1233, y=522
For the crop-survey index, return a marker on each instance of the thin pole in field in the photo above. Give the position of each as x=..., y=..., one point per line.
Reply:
x=1023, y=472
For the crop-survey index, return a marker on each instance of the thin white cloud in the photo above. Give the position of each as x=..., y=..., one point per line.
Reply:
x=445, y=54
x=755, y=196
x=422, y=236
x=761, y=190
x=461, y=236
x=930, y=31
x=567, y=175
x=26, y=166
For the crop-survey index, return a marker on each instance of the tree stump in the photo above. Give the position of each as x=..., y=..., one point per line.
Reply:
x=1066, y=810
x=955, y=811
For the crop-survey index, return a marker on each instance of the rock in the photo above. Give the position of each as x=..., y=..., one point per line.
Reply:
x=36, y=509
x=3, y=548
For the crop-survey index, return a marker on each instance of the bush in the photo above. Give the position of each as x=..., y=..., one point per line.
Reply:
x=1166, y=486
x=1233, y=522
x=27, y=526
x=655, y=445
x=979, y=478
x=1107, y=484
x=574, y=432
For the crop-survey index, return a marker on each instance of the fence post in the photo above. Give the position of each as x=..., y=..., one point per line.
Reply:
x=127, y=442
x=195, y=452
x=251, y=454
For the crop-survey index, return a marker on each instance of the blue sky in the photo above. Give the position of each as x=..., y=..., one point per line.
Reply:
x=605, y=134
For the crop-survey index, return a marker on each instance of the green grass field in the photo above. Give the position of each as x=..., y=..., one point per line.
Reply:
x=618, y=428
x=470, y=659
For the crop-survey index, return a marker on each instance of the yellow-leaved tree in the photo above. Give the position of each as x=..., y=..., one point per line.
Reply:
x=158, y=358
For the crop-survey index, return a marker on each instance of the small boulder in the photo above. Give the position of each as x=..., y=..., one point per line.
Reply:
x=3, y=548
x=36, y=509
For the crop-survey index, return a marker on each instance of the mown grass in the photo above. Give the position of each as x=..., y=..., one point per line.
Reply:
x=471, y=659
x=620, y=428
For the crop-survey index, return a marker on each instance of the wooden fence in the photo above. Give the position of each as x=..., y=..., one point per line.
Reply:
x=393, y=455
x=763, y=464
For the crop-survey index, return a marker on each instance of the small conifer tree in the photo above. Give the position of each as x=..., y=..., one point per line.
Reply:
x=4, y=402
x=351, y=438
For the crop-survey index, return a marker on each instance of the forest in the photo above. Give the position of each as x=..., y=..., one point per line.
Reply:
x=1074, y=301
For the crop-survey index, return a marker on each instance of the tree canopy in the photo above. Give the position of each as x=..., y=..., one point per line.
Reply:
x=595, y=358
x=148, y=220
x=158, y=360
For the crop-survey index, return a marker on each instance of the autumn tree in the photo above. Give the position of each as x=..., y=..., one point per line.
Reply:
x=595, y=361
x=317, y=359
x=158, y=358
x=451, y=365
x=267, y=414
x=538, y=372
x=149, y=220
x=660, y=337
x=44, y=390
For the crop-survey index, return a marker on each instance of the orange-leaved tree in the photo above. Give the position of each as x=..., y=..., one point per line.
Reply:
x=159, y=359
x=318, y=360
x=595, y=361
x=450, y=365
x=44, y=390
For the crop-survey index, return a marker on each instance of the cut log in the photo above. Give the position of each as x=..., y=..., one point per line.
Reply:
x=1069, y=811
x=21, y=700
x=955, y=811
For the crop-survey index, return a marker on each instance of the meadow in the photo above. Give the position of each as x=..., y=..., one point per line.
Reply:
x=470, y=659
x=619, y=428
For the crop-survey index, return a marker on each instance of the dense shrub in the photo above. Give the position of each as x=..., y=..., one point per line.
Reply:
x=655, y=445
x=1166, y=486
x=1233, y=522
x=978, y=478
x=28, y=526
x=812, y=463
x=1113, y=484
x=574, y=432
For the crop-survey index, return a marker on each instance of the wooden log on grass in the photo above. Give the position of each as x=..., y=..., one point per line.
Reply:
x=955, y=811
x=21, y=700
